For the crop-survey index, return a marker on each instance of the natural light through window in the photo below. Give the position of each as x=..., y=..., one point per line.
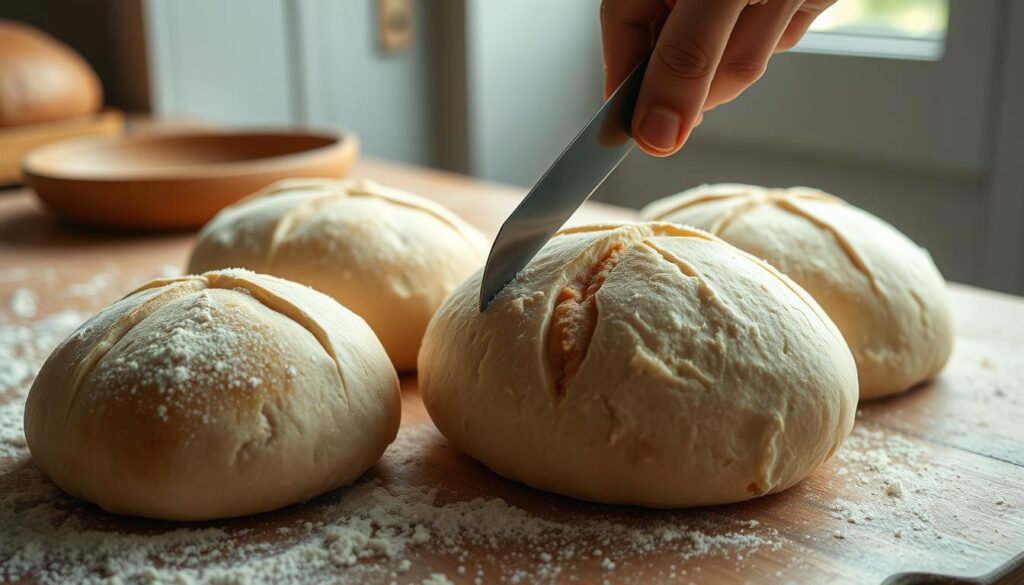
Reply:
x=907, y=29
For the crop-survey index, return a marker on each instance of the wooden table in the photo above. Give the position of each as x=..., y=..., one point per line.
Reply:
x=931, y=480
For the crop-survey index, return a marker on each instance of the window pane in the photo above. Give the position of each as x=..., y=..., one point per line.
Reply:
x=914, y=19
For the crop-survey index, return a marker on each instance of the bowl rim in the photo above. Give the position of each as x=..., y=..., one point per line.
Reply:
x=34, y=167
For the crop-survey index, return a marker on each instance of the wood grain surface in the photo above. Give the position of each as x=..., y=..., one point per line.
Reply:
x=931, y=480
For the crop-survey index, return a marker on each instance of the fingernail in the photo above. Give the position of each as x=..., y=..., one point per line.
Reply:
x=659, y=128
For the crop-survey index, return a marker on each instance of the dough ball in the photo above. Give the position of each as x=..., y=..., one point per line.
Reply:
x=42, y=79
x=389, y=256
x=213, y=396
x=882, y=290
x=643, y=364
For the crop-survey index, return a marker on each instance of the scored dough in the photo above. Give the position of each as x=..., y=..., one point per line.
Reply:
x=213, y=396
x=644, y=364
x=389, y=256
x=883, y=291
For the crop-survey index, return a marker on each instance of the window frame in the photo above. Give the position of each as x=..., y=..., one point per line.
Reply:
x=906, y=112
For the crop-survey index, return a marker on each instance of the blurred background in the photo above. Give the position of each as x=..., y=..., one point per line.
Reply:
x=908, y=108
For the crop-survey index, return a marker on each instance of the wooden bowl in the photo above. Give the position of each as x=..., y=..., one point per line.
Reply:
x=179, y=180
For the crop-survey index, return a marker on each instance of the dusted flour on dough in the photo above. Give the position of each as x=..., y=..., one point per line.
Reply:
x=641, y=364
x=266, y=389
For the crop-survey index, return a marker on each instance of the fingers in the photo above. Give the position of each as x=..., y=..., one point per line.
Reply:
x=754, y=38
x=800, y=22
x=626, y=36
x=679, y=75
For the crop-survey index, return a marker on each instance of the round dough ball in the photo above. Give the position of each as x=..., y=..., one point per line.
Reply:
x=882, y=290
x=41, y=79
x=642, y=364
x=213, y=396
x=389, y=256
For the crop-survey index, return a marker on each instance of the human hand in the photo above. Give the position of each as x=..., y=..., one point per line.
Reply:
x=707, y=52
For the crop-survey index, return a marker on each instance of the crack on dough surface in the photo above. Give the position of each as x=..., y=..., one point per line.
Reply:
x=615, y=423
x=574, y=318
x=268, y=433
x=922, y=309
x=705, y=292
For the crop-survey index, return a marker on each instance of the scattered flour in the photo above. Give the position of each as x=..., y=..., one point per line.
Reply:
x=379, y=529
x=892, y=472
x=50, y=536
x=24, y=303
x=169, y=271
x=24, y=346
x=99, y=283
x=384, y=528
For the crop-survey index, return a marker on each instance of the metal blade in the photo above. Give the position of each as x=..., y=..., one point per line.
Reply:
x=571, y=180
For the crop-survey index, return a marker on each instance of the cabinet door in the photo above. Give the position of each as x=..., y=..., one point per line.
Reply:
x=348, y=80
x=304, y=62
x=225, y=61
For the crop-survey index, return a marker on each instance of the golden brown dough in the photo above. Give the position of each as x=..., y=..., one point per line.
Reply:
x=389, y=256
x=213, y=396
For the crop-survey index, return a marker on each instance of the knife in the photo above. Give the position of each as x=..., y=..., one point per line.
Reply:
x=572, y=179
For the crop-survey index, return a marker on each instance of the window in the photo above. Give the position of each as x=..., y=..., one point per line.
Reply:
x=902, y=29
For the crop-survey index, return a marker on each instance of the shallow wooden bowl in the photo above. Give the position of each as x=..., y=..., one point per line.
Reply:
x=176, y=180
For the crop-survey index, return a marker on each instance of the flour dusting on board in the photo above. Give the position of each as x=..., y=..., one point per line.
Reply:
x=385, y=527
x=49, y=536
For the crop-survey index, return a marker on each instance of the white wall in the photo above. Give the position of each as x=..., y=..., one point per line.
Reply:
x=346, y=80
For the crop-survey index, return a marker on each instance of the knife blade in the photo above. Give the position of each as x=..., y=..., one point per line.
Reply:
x=581, y=168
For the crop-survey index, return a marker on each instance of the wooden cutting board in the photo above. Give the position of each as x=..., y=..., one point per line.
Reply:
x=931, y=480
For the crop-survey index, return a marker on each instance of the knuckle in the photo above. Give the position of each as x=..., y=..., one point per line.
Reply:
x=742, y=70
x=611, y=10
x=686, y=60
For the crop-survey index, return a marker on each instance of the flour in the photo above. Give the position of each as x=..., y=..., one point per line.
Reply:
x=898, y=481
x=375, y=530
x=183, y=347
x=50, y=536
x=24, y=303
x=169, y=271
x=96, y=285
